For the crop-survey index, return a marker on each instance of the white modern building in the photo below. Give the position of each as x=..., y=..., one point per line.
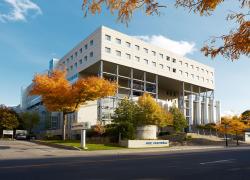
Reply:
x=137, y=67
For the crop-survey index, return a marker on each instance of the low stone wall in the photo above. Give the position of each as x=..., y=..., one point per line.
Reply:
x=144, y=143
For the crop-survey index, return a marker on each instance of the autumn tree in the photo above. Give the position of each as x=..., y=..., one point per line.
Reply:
x=233, y=44
x=59, y=95
x=232, y=125
x=151, y=113
x=8, y=118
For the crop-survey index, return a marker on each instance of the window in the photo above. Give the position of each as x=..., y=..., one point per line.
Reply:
x=186, y=64
x=128, y=44
x=63, y=62
x=91, y=43
x=174, y=60
x=192, y=75
x=107, y=50
x=85, y=58
x=186, y=74
x=80, y=61
x=197, y=68
x=75, y=54
x=207, y=71
x=197, y=77
x=212, y=73
x=91, y=54
x=202, y=70
x=128, y=56
x=108, y=37
x=75, y=65
x=161, y=65
x=161, y=55
x=137, y=58
x=202, y=79
x=67, y=69
x=71, y=57
x=71, y=67
x=207, y=80
x=118, y=41
x=180, y=62
x=145, y=50
x=154, y=64
x=146, y=61
x=212, y=81
x=174, y=70
x=67, y=60
x=192, y=66
x=81, y=50
x=137, y=47
x=167, y=58
x=180, y=71
x=86, y=46
x=168, y=68
x=118, y=53
x=154, y=53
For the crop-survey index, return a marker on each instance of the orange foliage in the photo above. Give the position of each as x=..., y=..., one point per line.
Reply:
x=59, y=95
x=231, y=126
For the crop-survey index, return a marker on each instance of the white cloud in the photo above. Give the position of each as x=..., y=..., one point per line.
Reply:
x=229, y=113
x=19, y=10
x=179, y=47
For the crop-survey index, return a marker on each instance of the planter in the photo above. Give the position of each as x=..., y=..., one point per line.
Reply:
x=146, y=132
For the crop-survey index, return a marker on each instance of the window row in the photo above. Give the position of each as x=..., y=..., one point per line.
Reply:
x=197, y=68
x=146, y=50
x=80, y=51
x=75, y=65
x=146, y=61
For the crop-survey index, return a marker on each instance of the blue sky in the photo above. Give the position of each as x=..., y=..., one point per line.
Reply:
x=32, y=34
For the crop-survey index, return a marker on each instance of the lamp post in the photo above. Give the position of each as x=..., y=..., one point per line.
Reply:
x=226, y=134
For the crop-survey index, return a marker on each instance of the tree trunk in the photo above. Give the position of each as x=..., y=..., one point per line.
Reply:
x=237, y=140
x=64, y=126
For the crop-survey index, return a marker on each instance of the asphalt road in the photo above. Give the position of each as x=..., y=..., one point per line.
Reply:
x=213, y=164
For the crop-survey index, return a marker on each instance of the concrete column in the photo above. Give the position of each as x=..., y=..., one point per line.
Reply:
x=191, y=109
x=206, y=111
x=156, y=86
x=144, y=79
x=100, y=100
x=198, y=110
x=117, y=79
x=131, y=83
x=211, y=111
x=218, y=113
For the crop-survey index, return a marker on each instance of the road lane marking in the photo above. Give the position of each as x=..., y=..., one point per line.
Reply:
x=77, y=162
x=218, y=161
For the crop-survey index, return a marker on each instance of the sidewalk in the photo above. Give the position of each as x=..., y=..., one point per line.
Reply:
x=28, y=150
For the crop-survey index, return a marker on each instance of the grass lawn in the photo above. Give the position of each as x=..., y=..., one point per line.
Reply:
x=76, y=143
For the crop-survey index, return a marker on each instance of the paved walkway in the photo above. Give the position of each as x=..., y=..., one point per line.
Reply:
x=28, y=150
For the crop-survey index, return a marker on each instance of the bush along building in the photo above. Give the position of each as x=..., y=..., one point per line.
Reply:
x=137, y=67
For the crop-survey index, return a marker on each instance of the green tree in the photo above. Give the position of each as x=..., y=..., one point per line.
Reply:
x=151, y=113
x=179, y=120
x=30, y=120
x=8, y=118
x=245, y=116
x=125, y=118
